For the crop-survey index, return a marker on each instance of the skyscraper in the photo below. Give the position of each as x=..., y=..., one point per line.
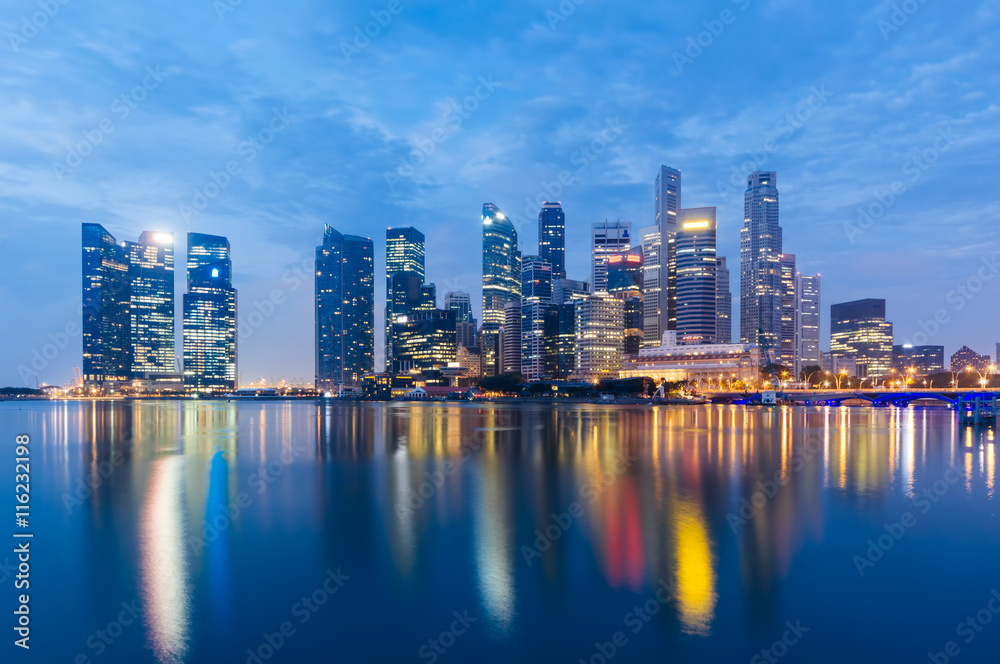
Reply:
x=807, y=293
x=788, y=351
x=607, y=238
x=465, y=323
x=599, y=339
x=209, y=316
x=107, y=338
x=425, y=339
x=667, y=203
x=552, y=238
x=859, y=330
x=151, y=279
x=724, y=303
x=404, y=254
x=345, y=310
x=625, y=278
x=510, y=339
x=501, y=281
x=697, y=280
x=536, y=297
x=760, y=262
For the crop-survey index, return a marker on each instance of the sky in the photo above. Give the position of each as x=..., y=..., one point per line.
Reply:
x=264, y=121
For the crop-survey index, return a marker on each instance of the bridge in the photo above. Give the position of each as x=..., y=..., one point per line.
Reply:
x=897, y=398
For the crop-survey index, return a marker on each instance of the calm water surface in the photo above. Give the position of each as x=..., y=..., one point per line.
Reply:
x=556, y=533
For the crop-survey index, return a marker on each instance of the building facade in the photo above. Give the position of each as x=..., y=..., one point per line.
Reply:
x=667, y=205
x=510, y=339
x=918, y=360
x=552, y=238
x=718, y=364
x=966, y=359
x=723, y=303
x=344, y=310
x=599, y=341
x=404, y=255
x=625, y=281
x=536, y=297
x=859, y=330
x=697, y=280
x=606, y=238
x=424, y=340
x=788, y=350
x=209, y=333
x=760, y=262
x=501, y=282
x=151, y=294
x=808, y=307
x=107, y=316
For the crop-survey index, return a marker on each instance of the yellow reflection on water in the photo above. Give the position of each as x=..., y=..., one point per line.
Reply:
x=696, y=594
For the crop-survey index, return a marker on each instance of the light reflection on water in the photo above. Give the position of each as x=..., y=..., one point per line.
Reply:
x=429, y=507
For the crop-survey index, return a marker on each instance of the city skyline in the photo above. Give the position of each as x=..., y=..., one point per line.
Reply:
x=706, y=118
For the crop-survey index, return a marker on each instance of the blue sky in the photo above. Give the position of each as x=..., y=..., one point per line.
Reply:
x=847, y=101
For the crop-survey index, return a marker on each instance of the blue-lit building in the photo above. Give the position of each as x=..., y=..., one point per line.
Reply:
x=151, y=278
x=345, y=310
x=501, y=282
x=209, y=333
x=552, y=238
x=404, y=268
x=107, y=319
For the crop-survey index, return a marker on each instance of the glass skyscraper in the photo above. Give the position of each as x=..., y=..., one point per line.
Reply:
x=107, y=320
x=404, y=254
x=859, y=330
x=536, y=297
x=660, y=279
x=345, y=310
x=788, y=355
x=606, y=238
x=552, y=238
x=697, y=280
x=501, y=281
x=760, y=262
x=724, y=303
x=807, y=294
x=151, y=275
x=209, y=316
x=625, y=278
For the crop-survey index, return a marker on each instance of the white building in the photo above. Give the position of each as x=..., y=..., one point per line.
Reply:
x=719, y=363
x=600, y=339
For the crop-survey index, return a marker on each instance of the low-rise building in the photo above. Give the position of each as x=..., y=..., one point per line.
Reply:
x=722, y=363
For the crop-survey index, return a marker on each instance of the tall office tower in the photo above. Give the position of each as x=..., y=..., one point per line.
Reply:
x=654, y=317
x=151, y=278
x=501, y=281
x=918, y=360
x=560, y=340
x=209, y=316
x=808, y=306
x=607, y=238
x=510, y=339
x=564, y=290
x=345, y=310
x=425, y=339
x=667, y=203
x=552, y=238
x=599, y=339
x=859, y=330
x=107, y=338
x=404, y=254
x=760, y=262
x=536, y=297
x=788, y=351
x=723, y=303
x=625, y=277
x=697, y=280
x=465, y=323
